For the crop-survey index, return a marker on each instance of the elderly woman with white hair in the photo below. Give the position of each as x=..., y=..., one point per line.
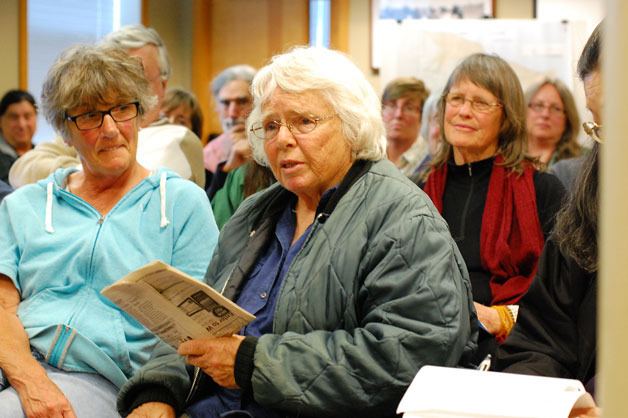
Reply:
x=350, y=270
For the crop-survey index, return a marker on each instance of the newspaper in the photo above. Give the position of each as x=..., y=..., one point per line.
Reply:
x=174, y=306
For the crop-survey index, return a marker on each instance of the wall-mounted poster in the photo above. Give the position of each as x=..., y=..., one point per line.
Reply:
x=432, y=9
x=400, y=10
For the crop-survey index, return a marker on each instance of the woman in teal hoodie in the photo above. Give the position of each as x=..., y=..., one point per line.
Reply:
x=64, y=348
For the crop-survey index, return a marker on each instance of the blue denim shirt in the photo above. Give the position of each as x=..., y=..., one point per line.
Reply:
x=258, y=296
x=260, y=292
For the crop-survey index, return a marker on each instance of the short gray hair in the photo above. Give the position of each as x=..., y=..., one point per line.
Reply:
x=340, y=83
x=138, y=36
x=88, y=75
x=236, y=72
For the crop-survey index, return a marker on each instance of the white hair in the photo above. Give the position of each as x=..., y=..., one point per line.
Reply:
x=236, y=72
x=138, y=36
x=340, y=83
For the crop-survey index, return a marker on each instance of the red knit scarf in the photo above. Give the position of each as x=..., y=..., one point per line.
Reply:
x=511, y=238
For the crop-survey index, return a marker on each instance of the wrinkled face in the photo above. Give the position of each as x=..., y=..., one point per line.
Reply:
x=234, y=103
x=180, y=115
x=593, y=93
x=473, y=135
x=306, y=164
x=18, y=124
x=546, y=119
x=106, y=151
x=402, y=119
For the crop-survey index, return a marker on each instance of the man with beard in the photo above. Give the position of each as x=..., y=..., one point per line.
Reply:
x=231, y=91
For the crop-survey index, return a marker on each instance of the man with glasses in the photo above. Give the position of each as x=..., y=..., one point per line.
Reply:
x=402, y=104
x=160, y=144
x=231, y=92
x=232, y=175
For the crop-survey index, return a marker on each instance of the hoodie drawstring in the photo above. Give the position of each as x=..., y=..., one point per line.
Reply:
x=162, y=196
x=48, y=219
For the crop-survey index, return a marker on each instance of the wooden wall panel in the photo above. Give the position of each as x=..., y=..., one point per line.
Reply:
x=23, y=45
x=339, y=36
x=230, y=32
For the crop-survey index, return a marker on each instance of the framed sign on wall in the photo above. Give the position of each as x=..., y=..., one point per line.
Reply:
x=386, y=11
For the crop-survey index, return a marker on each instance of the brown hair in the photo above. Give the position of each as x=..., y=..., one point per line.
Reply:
x=176, y=97
x=406, y=87
x=89, y=75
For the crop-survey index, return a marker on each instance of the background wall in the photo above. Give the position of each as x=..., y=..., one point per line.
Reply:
x=9, y=48
x=234, y=32
x=204, y=36
x=173, y=20
x=237, y=31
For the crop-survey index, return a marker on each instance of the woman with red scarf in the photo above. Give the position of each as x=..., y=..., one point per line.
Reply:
x=498, y=207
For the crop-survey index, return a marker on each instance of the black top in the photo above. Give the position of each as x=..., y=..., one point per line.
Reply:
x=6, y=161
x=5, y=189
x=555, y=334
x=463, y=206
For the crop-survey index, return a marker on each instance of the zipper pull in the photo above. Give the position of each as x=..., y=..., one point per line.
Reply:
x=469, y=167
x=101, y=220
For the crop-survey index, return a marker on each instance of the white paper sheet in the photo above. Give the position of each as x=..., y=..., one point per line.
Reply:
x=451, y=392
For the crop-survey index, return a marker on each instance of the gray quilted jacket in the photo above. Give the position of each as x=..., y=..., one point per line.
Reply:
x=378, y=290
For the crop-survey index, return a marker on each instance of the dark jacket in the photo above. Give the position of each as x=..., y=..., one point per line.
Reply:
x=378, y=290
x=555, y=334
x=5, y=189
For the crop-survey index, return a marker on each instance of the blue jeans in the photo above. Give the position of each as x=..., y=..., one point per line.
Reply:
x=90, y=395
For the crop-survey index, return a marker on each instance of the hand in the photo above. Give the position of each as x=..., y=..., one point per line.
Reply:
x=42, y=398
x=153, y=410
x=240, y=153
x=215, y=356
x=592, y=412
x=39, y=396
x=489, y=318
x=236, y=133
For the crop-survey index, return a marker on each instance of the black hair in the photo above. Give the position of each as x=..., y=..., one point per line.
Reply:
x=15, y=96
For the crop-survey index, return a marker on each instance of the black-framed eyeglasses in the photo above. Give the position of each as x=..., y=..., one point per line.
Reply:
x=594, y=131
x=93, y=119
x=299, y=124
x=477, y=105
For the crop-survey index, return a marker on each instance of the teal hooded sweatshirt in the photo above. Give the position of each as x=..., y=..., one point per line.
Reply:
x=60, y=252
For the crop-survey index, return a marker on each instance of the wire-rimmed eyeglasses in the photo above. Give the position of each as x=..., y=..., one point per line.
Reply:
x=594, y=131
x=93, y=119
x=297, y=125
x=478, y=105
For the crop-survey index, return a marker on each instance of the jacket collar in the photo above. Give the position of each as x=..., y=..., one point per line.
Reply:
x=270, y=209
